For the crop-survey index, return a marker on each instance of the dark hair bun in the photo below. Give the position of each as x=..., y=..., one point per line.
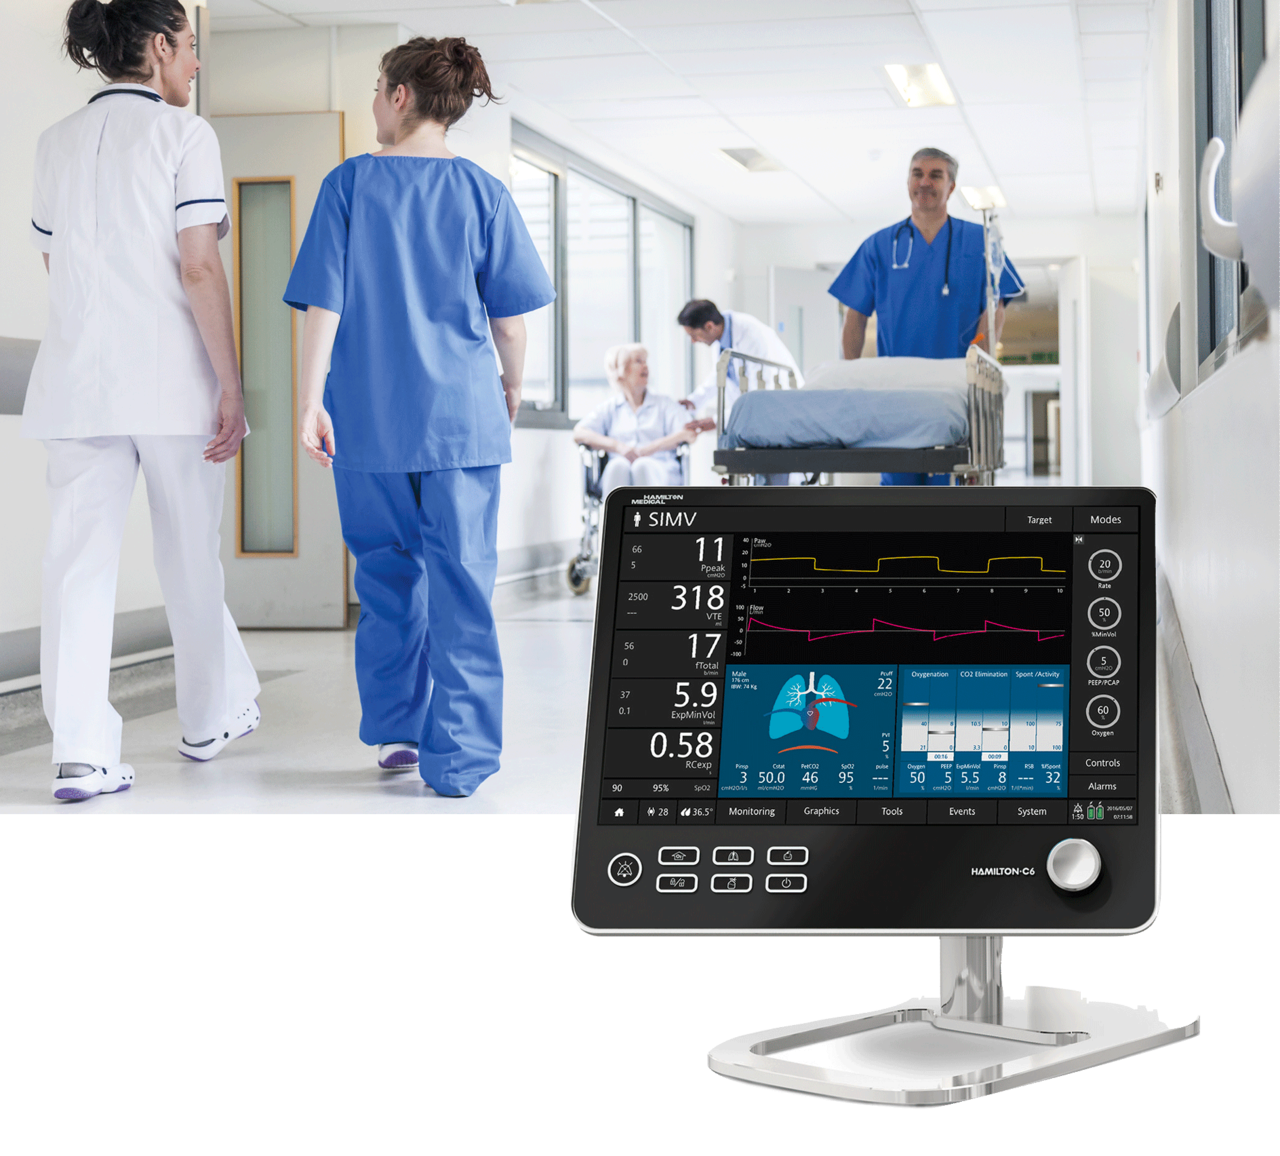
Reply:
x=112, y=38
x=444, y=75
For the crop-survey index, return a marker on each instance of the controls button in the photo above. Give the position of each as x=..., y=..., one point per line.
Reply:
x=787, y=856
x=1041, y=812
x=726, y=883
x=625, y=869
x=678, y=856
x=1021, y=518
x=778, y=884
x=617, y=812
x=1104, y=811
x=1074, y=865
x=1103, y=613
x=1089, y=763
x=733, y=856
x=1103, y=662
x=1102, y=711
x=1105, y=565
x=1107, y=519
x=685, y=883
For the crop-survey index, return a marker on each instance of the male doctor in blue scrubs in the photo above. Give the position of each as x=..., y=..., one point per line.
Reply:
x=925, y=280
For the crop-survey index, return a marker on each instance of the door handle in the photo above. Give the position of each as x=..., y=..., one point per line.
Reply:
x=1220, y=237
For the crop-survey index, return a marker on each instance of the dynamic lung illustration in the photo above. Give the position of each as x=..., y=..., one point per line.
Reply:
x=818, y=705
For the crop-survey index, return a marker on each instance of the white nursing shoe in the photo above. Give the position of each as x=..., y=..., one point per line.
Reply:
x=242, y=723
x=98, y=781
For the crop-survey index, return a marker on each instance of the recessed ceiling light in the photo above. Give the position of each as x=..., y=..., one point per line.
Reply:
x=753, y=160
x=984, y=197
x=920, y=85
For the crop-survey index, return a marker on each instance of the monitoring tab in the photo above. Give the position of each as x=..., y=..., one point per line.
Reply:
x=1056, y=519
x=1106, y=519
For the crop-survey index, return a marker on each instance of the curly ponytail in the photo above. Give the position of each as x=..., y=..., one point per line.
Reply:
x=444, y=75
x=112, y=38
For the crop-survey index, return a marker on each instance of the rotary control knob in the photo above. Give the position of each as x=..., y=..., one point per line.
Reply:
x=1104, y=613
x=1074, y=865
x=1105, y=565
x=1103, y=662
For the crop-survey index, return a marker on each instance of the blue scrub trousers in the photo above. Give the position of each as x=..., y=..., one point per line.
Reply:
x=915, y=479
x=427, y=661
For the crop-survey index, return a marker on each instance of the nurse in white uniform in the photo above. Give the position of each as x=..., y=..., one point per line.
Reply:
x=137, y=368
x=640, y=430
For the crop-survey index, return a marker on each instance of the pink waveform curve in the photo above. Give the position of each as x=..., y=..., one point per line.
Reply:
x=938, y=635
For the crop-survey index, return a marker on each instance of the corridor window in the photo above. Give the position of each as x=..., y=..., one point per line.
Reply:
x=622, y=263
x=534, y=191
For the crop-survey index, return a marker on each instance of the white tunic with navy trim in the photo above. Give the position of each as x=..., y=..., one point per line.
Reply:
x=115, y=183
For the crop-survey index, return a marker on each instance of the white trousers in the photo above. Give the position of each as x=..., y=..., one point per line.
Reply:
x=90, y=482
x=642, y=472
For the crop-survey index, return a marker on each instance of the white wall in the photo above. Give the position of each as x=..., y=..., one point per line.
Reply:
x=39, y=86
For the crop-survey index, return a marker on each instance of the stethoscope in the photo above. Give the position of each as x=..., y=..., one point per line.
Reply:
x=911, y=242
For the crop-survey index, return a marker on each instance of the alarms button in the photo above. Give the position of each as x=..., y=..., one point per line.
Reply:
x=1074, y=865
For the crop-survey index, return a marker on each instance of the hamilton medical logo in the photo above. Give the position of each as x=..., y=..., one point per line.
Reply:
x=1002, y=870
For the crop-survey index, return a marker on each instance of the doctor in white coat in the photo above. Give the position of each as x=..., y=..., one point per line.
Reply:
x=137, y=368
x=706, y=325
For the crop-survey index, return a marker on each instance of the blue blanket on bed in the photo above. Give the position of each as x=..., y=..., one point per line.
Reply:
x=847, y=419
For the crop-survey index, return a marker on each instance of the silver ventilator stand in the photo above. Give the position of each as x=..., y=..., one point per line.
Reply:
x=968, y=1043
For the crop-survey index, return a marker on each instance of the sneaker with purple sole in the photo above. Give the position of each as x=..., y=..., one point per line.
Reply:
x=398, y=756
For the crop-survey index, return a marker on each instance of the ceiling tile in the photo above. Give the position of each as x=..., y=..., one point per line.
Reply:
x=1130, y=90
x=252, y=23
x=1114, y=45
x=1007, y=130
x=228, y=9
x=1112, y=17
x=559, y=45
x=834, y=59
x=640, y=14
x=608, y=77
x=1048, y=195
x=1027, y=54
x=717, y=87
x=865, y=30
x=953, y=5
x=860, y=100
x=1113, y=69
x=637, y=109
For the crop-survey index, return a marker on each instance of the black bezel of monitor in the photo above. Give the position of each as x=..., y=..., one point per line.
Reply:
x=874, y=879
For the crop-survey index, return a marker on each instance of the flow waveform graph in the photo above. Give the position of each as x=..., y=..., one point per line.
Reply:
x=882, y=626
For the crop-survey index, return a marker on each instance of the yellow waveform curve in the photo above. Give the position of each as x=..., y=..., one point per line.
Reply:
x=914, y=558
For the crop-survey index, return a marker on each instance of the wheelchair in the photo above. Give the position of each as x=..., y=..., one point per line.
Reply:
x=584, y=565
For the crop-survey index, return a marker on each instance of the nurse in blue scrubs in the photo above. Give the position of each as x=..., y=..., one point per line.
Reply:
x=416, y=266
x=925, y=279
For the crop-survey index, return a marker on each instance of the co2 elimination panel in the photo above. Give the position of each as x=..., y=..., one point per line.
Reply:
x=769, y=669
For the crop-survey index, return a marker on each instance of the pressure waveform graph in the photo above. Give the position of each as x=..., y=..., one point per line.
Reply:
x=904, y=570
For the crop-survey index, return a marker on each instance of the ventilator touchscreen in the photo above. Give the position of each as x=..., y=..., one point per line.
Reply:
x=920, y=710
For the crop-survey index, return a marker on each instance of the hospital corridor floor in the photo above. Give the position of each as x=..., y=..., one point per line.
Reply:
x=306, y=757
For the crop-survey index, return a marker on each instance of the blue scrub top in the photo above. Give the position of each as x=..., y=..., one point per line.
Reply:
x=416, y=253
x=913, y=318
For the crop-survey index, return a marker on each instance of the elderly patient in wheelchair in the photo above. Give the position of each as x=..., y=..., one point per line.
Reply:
x=643, y=433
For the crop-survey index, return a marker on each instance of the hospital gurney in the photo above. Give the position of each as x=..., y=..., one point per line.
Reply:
x=957, y=431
